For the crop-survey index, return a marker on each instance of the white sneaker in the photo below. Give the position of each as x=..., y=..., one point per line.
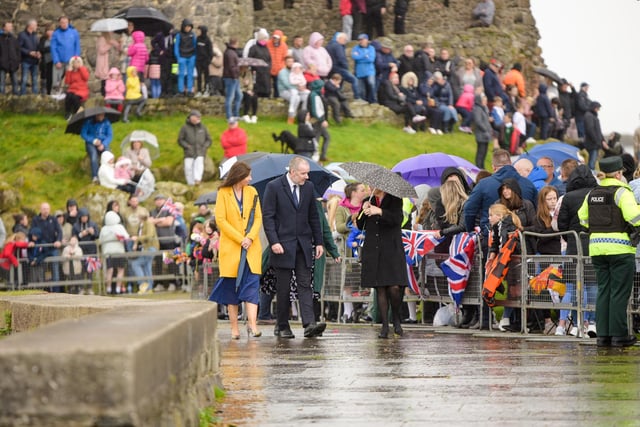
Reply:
x=574, y=331
x=418, y=118
x=198, y=95
x=246, y=119
x=530, y=141
x=159, y=288
x=254, y=119
x=439, y=132
x=591, y=330
x=560, y=331
x=171, y=288
x=432, y=131
x=409, y=130
x=504, y=323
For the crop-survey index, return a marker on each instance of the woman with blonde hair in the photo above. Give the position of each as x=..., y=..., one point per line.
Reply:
x=77, y=80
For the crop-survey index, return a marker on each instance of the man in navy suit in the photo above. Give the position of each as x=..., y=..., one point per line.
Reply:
x=292, y=225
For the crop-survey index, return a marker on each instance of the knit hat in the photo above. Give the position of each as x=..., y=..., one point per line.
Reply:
x=611, y=164
x=195, y=113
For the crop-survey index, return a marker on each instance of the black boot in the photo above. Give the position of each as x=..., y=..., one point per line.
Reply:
x=384, y=332
x=474, y=319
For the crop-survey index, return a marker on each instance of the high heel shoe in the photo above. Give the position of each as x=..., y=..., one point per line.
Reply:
x=235, y=337
x=252, y=333
x=384, y=332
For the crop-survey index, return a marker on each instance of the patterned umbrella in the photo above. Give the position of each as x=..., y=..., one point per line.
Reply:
x=251, y=62
x=381, y=178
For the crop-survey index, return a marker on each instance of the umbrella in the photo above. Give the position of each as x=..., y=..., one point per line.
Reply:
x=146, y=185
x=336, y=168
x=251, y=62
x=557, y=151
x=108, y=25
x=337, y=188
x=267, y=166
x=427, y=168
x=77, y=120
x=381, y=178
x=146, y=137
x=146, y=19
x=206, y=199
x=548, y=73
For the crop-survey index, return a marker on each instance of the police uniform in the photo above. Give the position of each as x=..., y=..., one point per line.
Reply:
x=607, y=212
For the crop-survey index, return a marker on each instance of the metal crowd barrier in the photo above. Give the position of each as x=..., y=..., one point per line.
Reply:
x=203, y=277
x=436, y=286
x=88, y=272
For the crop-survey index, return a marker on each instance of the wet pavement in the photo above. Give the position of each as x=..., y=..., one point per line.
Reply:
x=442, y=376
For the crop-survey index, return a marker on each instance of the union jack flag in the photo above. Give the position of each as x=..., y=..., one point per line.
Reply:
x=457, y=267
x=169, y=206
x=416, y=245
x=93, y=264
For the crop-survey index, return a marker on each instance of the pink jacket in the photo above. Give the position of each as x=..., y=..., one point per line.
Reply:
x=114, y=87
x=138, y=52
x=467, y=98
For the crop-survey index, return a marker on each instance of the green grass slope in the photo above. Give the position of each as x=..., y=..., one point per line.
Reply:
x=44, y=163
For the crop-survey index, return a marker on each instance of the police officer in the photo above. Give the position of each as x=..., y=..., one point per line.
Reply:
x=607, y=212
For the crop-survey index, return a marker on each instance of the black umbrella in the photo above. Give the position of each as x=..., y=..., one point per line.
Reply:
x=77, y=120
x=268, y=166
x=252, y=62
x=548, y=73
x=146, y=19
x=207, y=199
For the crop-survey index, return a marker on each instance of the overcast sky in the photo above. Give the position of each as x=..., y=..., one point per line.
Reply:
x=597, y=42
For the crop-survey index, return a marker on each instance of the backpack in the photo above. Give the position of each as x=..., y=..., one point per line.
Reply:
x=498, y=268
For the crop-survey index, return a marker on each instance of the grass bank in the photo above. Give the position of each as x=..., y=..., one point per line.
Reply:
x=44, y=163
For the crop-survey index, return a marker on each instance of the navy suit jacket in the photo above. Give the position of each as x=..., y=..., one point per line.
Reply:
x=290, y=226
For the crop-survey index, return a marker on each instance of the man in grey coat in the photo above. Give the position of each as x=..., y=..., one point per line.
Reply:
x=194, y=139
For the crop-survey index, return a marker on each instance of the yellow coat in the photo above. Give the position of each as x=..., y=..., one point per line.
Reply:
x=232, y=228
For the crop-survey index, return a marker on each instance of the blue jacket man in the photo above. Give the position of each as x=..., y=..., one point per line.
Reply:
x=97, y=134
x=364, y=57
x=484, y=194
x=65, y=43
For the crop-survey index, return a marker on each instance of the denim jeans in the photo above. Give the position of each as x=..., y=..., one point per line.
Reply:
x=593, y=157
x=367, y=89
x=156, y=88
x=29, y=69
x=92, y=151
x=232, y=98
x=186, y=66
x=142, y=267
x=14, y=81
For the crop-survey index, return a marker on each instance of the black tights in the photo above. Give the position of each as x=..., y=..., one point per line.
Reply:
x=386, y=295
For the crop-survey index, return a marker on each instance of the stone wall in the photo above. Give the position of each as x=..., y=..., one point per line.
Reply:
x=514, y=36
x=98, y=361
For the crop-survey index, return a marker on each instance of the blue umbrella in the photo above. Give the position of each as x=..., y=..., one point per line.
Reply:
x=557, y=151
x=268, y=166
x=243, y=251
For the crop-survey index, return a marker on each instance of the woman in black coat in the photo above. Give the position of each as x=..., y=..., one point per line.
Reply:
x=262, y=84
x=383, y=260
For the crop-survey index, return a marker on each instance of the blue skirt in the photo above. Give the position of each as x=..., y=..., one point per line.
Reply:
x=224, y=291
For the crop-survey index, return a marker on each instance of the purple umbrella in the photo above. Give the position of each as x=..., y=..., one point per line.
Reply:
x=427, y=168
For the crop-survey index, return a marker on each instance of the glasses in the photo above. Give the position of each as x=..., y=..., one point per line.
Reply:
x=546, y=166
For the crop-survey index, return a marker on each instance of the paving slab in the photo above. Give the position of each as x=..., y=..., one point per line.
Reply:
x=430, y=376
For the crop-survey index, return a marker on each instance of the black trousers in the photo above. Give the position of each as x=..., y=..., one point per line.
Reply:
x=305, y=292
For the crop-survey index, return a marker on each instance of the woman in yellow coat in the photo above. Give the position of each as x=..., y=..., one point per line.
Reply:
x=236, y=200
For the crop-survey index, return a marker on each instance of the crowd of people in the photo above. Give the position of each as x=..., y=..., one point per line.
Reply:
x=433, y=93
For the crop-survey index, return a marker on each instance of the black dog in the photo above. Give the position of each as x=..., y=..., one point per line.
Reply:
x=291, y=143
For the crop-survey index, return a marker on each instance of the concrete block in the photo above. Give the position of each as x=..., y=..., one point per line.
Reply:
x=133, y=362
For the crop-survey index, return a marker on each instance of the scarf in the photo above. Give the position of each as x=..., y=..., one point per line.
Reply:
x=352, y=208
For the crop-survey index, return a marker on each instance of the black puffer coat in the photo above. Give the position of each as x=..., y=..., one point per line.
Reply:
x=580, y=182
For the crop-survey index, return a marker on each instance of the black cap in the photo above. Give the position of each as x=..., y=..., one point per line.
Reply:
x=611, y=164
